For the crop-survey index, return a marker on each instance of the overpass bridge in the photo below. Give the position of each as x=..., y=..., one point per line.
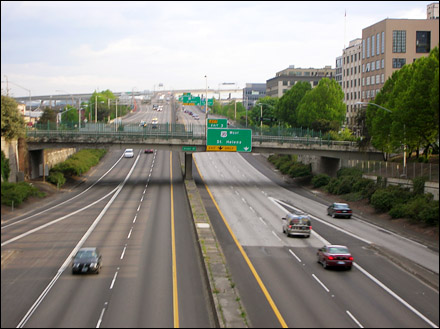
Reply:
x=332, y=155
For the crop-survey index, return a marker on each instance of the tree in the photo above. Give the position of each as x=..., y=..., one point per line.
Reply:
x=325, y=102
x=49, y=116
x=269, y=104
x=287, y=108
x=412, y=95
x=12, y=122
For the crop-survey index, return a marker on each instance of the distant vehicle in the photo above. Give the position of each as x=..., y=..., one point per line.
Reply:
x=154, y=122
x=87, y=260
x=143, y=123
x=297, y=225
x=149, y=151
x=128, y=153
x=196, y=117
x=335, y=255
x=339, y=210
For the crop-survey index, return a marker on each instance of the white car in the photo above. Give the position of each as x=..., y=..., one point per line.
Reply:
x=128, y=153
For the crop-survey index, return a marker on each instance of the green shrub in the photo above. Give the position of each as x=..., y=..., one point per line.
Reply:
x=57, y=178
x=5, y=167
x=349, y=172
x=384, y=199
x=79, y=163
x=16, y=193
x=419, y=185
x=300, y=170
x=320, y=180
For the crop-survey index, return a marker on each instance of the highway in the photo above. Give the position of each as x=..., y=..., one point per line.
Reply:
x=135, y=210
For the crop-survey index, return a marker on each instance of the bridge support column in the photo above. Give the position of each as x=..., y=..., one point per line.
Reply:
x=188, y=166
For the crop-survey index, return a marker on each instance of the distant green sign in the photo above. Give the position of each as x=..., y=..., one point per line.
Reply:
x=217, y=138
x=189, y=148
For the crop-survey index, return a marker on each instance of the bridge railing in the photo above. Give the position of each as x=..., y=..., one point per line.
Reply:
x=169, y=131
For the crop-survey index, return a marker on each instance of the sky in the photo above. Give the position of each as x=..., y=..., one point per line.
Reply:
x=50, y=48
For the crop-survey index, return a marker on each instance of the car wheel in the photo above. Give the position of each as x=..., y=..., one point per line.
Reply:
x=348, y=268
x=324, y=264
x=333, y=215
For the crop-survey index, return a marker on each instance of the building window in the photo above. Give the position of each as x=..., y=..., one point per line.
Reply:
x=382, y=78
x=398, y=63
x=423, y=41
x=373, y=66
x=377, y=79
x=383, y=42
x=368, y=47
x=399, y=41
x=372, y=45
x=378, y=44
x=363, y=49
x=383, y=63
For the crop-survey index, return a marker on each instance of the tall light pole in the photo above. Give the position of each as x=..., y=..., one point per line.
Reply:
x=404, y=129
x=206, y=107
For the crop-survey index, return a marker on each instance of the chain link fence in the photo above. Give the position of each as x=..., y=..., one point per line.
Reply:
x=397, y=170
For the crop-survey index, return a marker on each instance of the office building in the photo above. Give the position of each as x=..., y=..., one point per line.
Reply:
x=253, y=92
x=285, y=79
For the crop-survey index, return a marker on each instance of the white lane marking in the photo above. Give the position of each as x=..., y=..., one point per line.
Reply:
x=392, y=293
x=319, y=281
x=262, y=220
x=370, y=276
x=56, y=220
x=100, y=317
x=129, y=233
x=60, y=204
x=276, y=236
x=74, y=251
x=321, y=221
x=294, y=255
x=114, y=279
x=123, y=251
x=354, y=319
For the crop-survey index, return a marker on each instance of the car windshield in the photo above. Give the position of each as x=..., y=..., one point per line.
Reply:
x=338, y=250
x=85, y=254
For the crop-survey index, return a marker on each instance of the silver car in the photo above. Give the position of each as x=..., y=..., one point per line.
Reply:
x=297, y=225
x=128, y=153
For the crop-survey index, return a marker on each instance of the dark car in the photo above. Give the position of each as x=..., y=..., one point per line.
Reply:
x=87, y=260
x=149, y=151
x=335, y=255
x=339, y=210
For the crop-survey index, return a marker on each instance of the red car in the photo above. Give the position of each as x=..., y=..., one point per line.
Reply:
x=335, y=255
x=149, y=151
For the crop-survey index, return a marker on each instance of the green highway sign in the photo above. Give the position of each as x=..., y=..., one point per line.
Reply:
x=217, y=123
x=189, y=148
x=219, y=139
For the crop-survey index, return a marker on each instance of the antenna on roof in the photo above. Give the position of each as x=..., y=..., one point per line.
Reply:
x=345, y=26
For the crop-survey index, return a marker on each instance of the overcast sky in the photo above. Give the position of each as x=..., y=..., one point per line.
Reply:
x=79, y=47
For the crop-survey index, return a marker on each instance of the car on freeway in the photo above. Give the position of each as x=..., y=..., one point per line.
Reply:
x=87, y=260
x=294, y=224
x=339, y=210
x=128, y=153
x=154, y=122
x=143, y=123
x=335, y=255
x=148, y=151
